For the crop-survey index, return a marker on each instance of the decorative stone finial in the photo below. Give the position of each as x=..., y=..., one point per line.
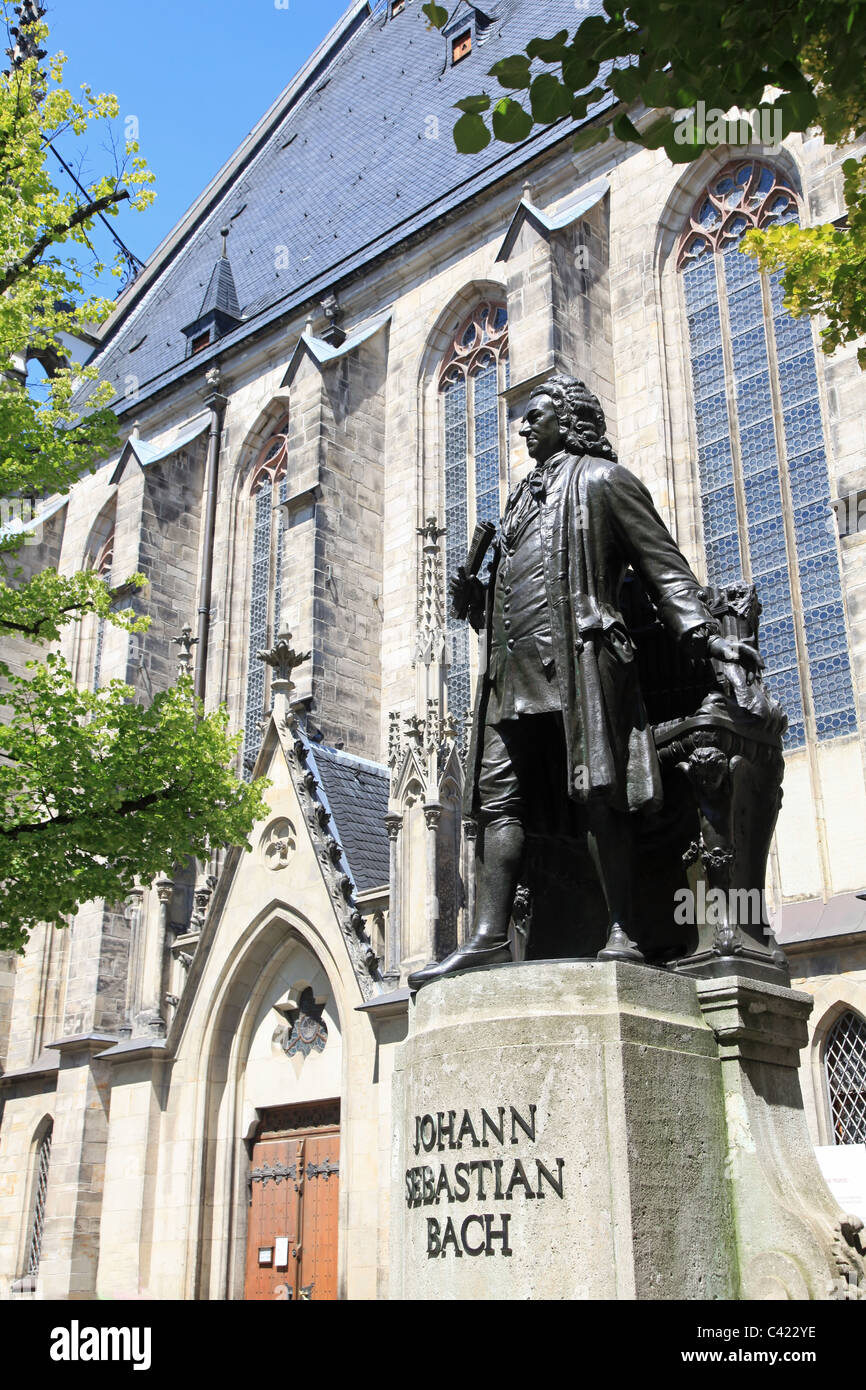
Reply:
x=186, y=642
x=431, y=531
x=431, y=618
x=282, y=658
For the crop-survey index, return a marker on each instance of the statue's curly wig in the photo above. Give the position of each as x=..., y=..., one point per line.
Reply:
x=580, y=414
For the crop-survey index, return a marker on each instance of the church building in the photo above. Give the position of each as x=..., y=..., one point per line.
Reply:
x=320, y=376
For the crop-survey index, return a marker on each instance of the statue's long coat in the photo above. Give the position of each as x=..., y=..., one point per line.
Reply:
x=604, y=521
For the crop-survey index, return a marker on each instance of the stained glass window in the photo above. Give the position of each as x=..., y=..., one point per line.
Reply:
x=765, y=495
x=473, y=374
x=267, y=489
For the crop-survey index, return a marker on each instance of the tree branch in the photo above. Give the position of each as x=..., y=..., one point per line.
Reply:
x=126, y=808
x=35, y=629
x=48, y=238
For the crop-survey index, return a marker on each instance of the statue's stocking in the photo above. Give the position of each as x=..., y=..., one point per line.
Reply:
x=497, y=867
x=611, y=849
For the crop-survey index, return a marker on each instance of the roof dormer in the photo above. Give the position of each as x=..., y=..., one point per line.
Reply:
x=468, y=27
x=220, y=311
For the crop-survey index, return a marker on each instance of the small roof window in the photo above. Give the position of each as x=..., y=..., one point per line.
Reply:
x=461, y=46
x=466, y=30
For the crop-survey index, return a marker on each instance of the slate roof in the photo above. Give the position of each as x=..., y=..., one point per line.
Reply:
x=346, y=173
x=356, y=794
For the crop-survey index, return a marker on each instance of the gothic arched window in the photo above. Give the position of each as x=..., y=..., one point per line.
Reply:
x=265, y=492
x=763, y=467
x=845, y=1075
x=473, y=373
x=40, y=1191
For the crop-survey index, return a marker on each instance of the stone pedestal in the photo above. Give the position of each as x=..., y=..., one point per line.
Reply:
x=600, y=1130
x=793, y=1240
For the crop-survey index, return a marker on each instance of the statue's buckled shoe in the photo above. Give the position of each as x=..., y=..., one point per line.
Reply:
x=621, y=947
x=467, y=957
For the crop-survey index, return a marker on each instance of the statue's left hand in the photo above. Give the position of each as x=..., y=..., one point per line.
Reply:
x=737, y=653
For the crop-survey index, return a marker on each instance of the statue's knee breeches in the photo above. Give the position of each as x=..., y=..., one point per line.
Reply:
x=500, y=796
x=522, y=776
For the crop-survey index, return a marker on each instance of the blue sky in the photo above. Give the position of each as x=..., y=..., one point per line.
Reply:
x=198, y=74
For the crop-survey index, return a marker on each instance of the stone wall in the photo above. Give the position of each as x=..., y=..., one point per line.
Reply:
x=168, y=556
x=96, y=984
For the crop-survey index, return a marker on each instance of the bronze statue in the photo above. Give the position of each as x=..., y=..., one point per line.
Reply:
x=561, y=742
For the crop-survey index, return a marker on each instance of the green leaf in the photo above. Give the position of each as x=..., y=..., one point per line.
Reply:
x=625, y=131
x=512, y=72
x=581, y=104
x=474, y=105
x=510, y=122
x=682, y=153
x=659, y=134
x=549, y=50
x=437, y=15
x=550, y=101
x=798, y=110
x=471, y=134
x=578, y=70
x=616, y=44
x=593, y=135
x=591, y=32
x=625, y=83
x=655, y=90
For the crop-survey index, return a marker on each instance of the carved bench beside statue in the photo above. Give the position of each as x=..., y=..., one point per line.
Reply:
x=729, y=753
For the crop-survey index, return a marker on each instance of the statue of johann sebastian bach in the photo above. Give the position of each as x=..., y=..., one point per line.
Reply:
x=561, y=744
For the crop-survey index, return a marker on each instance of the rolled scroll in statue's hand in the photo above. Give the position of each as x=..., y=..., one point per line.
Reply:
x=463, y=589
x=737, y=653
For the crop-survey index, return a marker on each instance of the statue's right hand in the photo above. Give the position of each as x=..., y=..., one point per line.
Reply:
x=467, y=594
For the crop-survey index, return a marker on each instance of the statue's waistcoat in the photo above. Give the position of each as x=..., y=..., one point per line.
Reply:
x=521, y=668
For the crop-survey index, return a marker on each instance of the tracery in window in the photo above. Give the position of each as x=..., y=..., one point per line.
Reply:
x=765, y=492
x=265, y=492
x=473, y=373
x=845, y=1077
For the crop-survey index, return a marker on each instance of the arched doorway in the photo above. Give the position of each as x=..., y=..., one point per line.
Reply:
x=290, y=1084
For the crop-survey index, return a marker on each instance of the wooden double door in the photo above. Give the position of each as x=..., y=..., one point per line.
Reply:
x=293, y=1212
